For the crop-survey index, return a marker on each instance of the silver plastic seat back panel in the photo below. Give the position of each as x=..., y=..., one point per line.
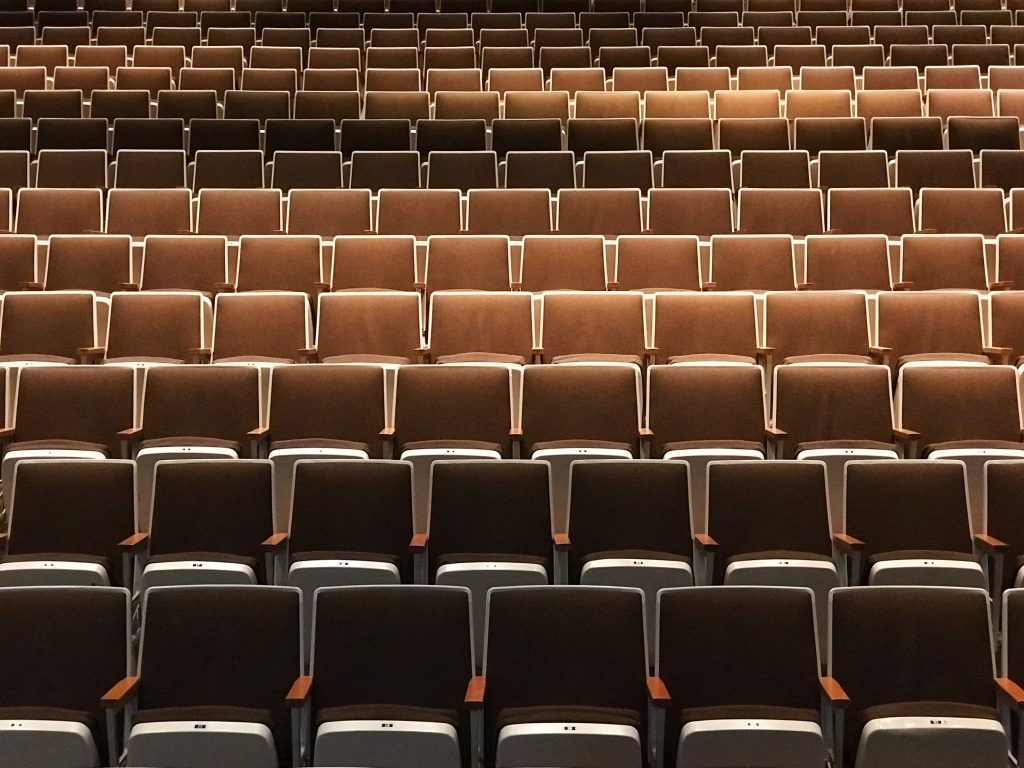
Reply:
x=926, y=742
x=764, y=743
x=387, y=744
x=569, y=745
x=46, y=744
x=201, y=744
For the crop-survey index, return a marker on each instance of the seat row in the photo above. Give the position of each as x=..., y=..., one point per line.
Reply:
x=373, y=695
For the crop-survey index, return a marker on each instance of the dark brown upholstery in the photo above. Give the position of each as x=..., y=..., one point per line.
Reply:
x=453, y=403
x=796, y=212
x=261, y=326
x=154, y=325
x=817, y=323
x=463, y=323
x=352, y=507
x=50, y=324
x=700, y=324
x=761, y=506
x=934, y=168
x=592, y=322
x=419, y=212
x=88, y=262
x=468, y=263
x=946, y=261
x=580, y=403
x=44, y=212
x=875, y=630
x=70, y=648
x=369, y=324
x=871, y=211
x=372, y=262
x=185, y=263
x=236, y=212
x=701, y=212
x=187, y=402
x=484, y=508
x=1004, y=486
x=602, y=519
x=328, y=212
x=278, y=264
x=821, y=404
x=710, y=168
x=513, y=212
x=916, y=323
x=564, y=647
x=748, y=262
x=853, y=169
x=149, y=212
x=17, y=261
x=74, y=507
x=563, y=263
x=607, y=212
x=650, y=262
x=233, y=666
x=86, y=404
x=859, y=262
x=708, y=404
x=328, y=402
x=775, y=169
x=759, y=641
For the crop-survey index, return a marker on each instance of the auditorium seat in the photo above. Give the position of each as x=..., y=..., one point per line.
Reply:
x=929, y=262
x=464, y=262
x=563, y=262
x=236, y=212
x=1002, y=488
x=280, y=263
x=386, y=262
x=462, y=328
x=796, y=212
x=419, y=212
x=44, y=212
x=54, y=327
x=149, y=168
x=649, y=262
x=867, y=211
x=512, y=212
x=593, y=326
x=932, y=328
x=377, y=327
x=260, y=329
x=957, y=211
x=98, y=263
x=184, y=262
x=328, y=212
x=745, y=262
x=847, y=262
x=142, y=213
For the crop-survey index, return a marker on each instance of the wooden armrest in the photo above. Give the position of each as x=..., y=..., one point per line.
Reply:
x=32, y=285
x=998, y=355
x=775, y=433
x=704, y=542
x=418, y=542
x=764, y=355
x=224, y=288
x=274, y=542
x=989, y=543
x=307, y=355
x=515, y=432
x=1001, y=285
x=387, y=432
x=561, y=541
x=847, y=543
x=806, y=286
x=903, y=285
x=658, y=692
x=128, y=286
x=880, y=354
x=612, y=285
x=298, y=694
x=475, y=692
x=88, y=355
x=118, y=696
x=133, y=543
x=709, y=286
x=1009, y=690
x=321, y=287
x=419, y=285
x=258, y=432
x=905, y=435
x=515, y=285
x=837, y=697
x=6, y=434
x=200, y=354
x=134, y=434
x=646, y=433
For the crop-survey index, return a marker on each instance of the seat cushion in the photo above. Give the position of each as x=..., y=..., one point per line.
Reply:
x=373, y=557
x=634, y=554
x=487, y=557
x=224, y=714
x=597, y=358
x=943, y=357
x=920, y=554
x=819, y=359
x=567, y=714
x=713, y=445
x=317, y=442
x=844, y=445
x=710, y=358
x=481, y=357
x=52, y=713
x=778, y=554
x=603, y=445
x=192, y=442
x=387, y=712
x=217, y=557
x=368, y=359
x=104, y=562
x=37, y=359
x=58, y=445
x=146, y=360
x=971, y=445
x=440, y=445
x=930, y=709
x=256, y=359
x=747, y=712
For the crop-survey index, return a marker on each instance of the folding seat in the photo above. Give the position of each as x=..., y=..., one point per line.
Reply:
x=17, y=261
x=832, y=134
x=840, y=322
x=452, y=105
x=515, y=79
x=686, y=104
x=939, y=627
x=527, y=134
x=177, y=714
x=740, y=133
x=86, y=168
x=220, y=80
x=889, y=103
x=94, y=403
x=740, y=104
x=796, y=212
x=1009, y=102
x=674, y=57
x=521, y=105
x=574, y=79
x=275, y=57
x=435, y=616
x=99, y=263
x=328, y=212
x=375, y=171
x=376, y=327
x=949, y=102
x=750, y=262
x=952, y=78
x=629, y=170
x=929, y=262
x=188, y=37
x=44, y=212
x=160, y=56
x=1002, y=483
x=49, y=56
x=649, y=263
x=765, y=78
x=697, y=169
x=152, y=79
x=223, y=421
x=561, y=57
x=261, y=105
x=946, y=329
x=818, y=103
x=461, y=327
x=330, y=80
x=552, y=263
x=612, y=104
x=319, y=170
x=700, y=212
x=235, y=212
x=279, y=263
x=871, y=211
x=605, y=36
x=465, y=262
x=409, y=105
x=1007, y=271
x=660, y=135
x=612, y=57
x=602, y=134
x=261, y=329
x=462, y=170
x=609, y=212
x=21, y=79
x=52, y=104
x=981, y=133
x=920, y=56
x=71, y=133
x=452, y=65
x=847, y=262
x=84, y=79
x=944, y=211
x=420, y=212
x=231, y=169
x=52, y=711
x=299, y=135
x=547, y=170
x=147, y=133
x=775, y=169
x=613, y=323
x=142, y=212
x=222, y=135
x=934, y=168
x=642, y=79
x=834, y=78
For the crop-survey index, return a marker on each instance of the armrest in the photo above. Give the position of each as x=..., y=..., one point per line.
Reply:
x=419, y=285
x=561, y=541
x=418, y=542
x=387, y=432
x=1001, y=285
x=903, y=285
x=298, y=694
x=1009, y=690
x=806, y=286
x=224, y=288
x=307, y=355
x=764, y=356
x=774, y=433
x=709, y=286
x=998, y=355
x=133, y=543
x=989, y=543
x=128, y=286
x=612, y=285
x=258, y=432
x=275, y=542
x=200, y=354
x=880, y=355
x=515, y=432
x=847, y=543
x=6, y=434
x=132, y=435
x=516, y=285
x=704, y=542
x=475, y=692
x=320, y=287
x=119, y=695
x=658, y=692
x=837, y=697
x=32, y=285
x=89, y=355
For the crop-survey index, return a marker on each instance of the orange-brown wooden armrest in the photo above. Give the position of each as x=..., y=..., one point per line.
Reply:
x=764, y=356
x=128, y=286
x=989, y=543
x=298, y=694
x=646, y=433
x=516, y=285
x=880, y=354
x=118, y=696
x=133, y=543
x=274, y=542
x=475, y=692
x=998, y=355
x=88, y=355
x=32, y=285
x=321, y=287
x=837, y=697
x=307, y=355
x=515, y=432
x=258, y=432
x=806, y=286
x=561, y=541
x=387, y=432
x=903, y=285
x=133, y=434
x=709, y=286
x=418, y=542
x=224, y=288
x=658, y=692
x=612, y=285
x=200, y=354
x=1001, y=285
x=6, y=434
x=906, y=435
x=776, y=433
x=847, y=543
x=1009, y=690
x=705, y=542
